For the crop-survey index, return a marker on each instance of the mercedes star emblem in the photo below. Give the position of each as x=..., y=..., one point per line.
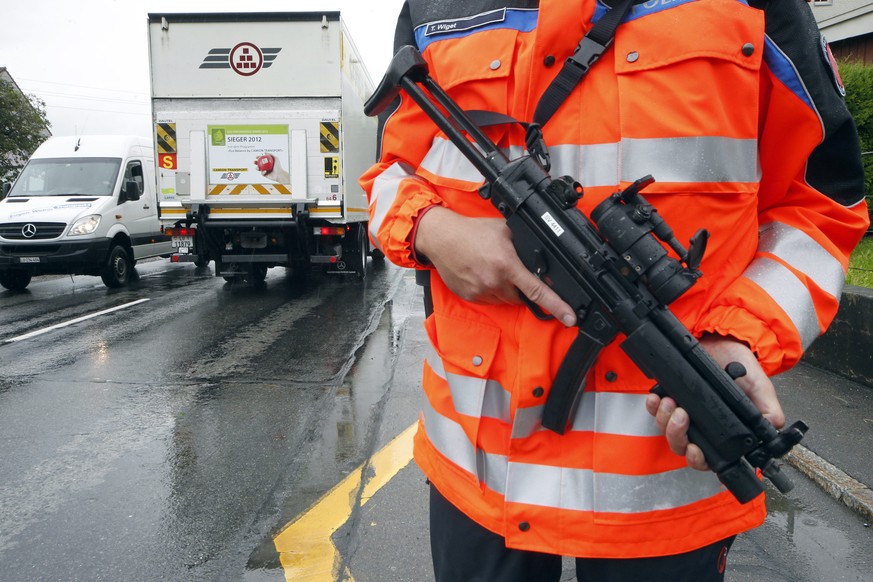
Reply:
x=28, y=230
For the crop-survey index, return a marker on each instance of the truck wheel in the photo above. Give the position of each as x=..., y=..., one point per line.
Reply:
x=359, y=252
x=258, y=273
x=15, y=279
x=116, y=273
x=201, y=261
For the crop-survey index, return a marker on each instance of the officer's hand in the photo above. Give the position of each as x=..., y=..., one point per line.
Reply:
x=476, y=260
x=673, y=421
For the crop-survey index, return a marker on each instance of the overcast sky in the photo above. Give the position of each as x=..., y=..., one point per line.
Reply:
x=88, y=59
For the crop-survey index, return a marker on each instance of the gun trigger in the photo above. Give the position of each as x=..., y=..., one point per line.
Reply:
x=534, y=308
x=540, y=265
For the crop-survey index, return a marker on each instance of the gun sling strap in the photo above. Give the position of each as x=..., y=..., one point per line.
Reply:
x=589, y=50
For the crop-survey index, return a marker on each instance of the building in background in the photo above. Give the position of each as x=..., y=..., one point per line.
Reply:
x=848, y=27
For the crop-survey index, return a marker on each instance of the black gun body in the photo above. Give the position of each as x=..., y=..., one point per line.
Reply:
x=594, y=276
x=585, y=272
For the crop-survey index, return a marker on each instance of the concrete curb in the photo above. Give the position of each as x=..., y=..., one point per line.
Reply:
x=833, y=481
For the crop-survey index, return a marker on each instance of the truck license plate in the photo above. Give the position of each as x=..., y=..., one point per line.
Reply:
x=28, y=259
x=183, y=242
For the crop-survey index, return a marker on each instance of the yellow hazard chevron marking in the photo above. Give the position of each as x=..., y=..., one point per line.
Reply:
x=305, y=549
x=174, y=211
x=329, y=131
x=235, y=189
x=166, y=138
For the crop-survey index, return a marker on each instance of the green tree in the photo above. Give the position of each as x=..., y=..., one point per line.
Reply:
x=23, y=126
x=858, y=79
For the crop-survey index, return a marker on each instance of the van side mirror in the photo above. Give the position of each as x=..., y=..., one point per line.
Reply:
x=4, y=190
x=131, y=190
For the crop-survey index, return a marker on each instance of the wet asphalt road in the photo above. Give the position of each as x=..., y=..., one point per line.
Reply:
x=174, y=438
x=170, y=439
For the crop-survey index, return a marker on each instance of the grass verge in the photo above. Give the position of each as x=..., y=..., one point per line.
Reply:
x=861, y=264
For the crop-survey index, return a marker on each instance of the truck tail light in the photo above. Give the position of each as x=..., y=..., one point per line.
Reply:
x=330, y=230
x=179, y=231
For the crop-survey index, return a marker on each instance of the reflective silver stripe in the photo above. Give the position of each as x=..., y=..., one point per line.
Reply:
x=444, y=159
x=691, y=159
x=591, y=165
x=527, y=421
x=449, y=438
x=585, y=490
x=800, y=250
x=615, y=413
x=472, y=396
x=567, y=488
x=684, y=160
x=603, y=412
x=384, y=193
x=434, y=360
x=790, y=293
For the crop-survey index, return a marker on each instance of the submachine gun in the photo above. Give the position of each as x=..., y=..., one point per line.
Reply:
x=614, y=272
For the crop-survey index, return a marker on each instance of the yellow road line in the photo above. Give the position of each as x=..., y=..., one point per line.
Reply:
x=306, y=551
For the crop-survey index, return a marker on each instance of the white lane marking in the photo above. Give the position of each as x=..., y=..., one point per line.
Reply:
x=71, y=322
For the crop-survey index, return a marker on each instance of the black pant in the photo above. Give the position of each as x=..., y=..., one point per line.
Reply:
x=464, y=551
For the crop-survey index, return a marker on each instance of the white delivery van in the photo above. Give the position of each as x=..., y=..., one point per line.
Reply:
x=82, y=205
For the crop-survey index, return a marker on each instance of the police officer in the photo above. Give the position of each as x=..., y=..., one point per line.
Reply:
x=738, y=114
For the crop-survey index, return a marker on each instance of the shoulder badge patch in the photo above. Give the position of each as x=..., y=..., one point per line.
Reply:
x=831, y=62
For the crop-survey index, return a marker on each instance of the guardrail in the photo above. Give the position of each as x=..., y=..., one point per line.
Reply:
x=847, y=347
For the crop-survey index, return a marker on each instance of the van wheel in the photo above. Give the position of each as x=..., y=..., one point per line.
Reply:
x=15, y=279
x=116, y=273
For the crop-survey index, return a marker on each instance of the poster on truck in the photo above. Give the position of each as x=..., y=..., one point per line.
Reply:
x=249, y=154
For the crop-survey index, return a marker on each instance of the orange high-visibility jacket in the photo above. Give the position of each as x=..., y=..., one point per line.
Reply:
x=738, y=115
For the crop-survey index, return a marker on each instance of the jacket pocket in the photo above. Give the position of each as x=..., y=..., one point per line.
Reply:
x=465, y=351
x=689, y=84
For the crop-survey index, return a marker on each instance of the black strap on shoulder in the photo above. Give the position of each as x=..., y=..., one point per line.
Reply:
x=589, y=50
x=533, y=137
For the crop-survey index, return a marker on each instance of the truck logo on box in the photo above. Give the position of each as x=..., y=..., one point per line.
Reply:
x=245, y=58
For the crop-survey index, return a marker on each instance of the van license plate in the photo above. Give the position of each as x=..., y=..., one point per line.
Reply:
x=183, y=242
x=28, y=259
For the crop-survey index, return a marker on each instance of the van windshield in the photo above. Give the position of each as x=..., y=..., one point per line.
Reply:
x=67, y=176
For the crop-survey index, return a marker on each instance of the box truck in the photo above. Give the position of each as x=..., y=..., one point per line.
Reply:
x=82, y=205
x=260, y=138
